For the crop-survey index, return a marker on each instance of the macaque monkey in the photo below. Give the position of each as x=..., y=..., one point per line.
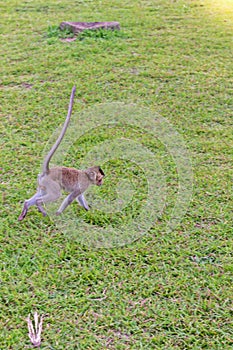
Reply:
x=52, y=181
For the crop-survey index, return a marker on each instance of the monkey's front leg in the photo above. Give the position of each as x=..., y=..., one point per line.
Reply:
x=67, y=201
x=81, y=200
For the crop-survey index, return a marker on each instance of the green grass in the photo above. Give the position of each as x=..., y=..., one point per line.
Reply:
x=55, y=32
x=167, y=290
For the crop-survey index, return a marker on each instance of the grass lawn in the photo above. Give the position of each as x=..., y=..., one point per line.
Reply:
x=164, y=289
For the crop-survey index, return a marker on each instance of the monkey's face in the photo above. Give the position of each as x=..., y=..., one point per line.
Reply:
x=99, y=179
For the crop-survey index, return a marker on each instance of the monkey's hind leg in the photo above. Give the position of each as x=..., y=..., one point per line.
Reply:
x=52, y=194
x=28, y=203
x=40, y=208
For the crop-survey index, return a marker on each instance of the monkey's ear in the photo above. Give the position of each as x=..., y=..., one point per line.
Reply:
x=91, y=175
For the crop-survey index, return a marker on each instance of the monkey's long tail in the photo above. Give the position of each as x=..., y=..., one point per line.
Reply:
x=45, y=169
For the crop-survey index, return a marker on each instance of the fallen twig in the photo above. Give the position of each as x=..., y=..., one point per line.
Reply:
x=35, y=333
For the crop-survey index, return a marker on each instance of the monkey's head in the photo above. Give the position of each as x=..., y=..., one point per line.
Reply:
x=95, y=175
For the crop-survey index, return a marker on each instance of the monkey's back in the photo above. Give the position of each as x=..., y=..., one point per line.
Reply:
x=68, y=178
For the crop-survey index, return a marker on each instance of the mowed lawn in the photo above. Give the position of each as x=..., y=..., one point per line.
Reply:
x=169, y=289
